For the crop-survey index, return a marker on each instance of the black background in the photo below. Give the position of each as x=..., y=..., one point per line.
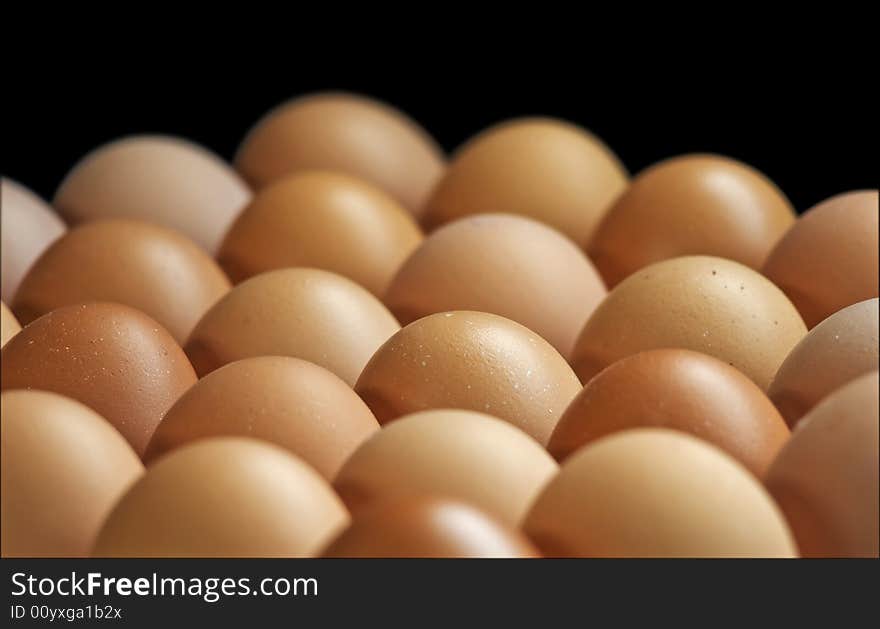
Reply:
x=807, y=121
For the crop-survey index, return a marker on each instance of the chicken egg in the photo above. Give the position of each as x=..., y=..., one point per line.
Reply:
x=323, y=220
x=710, y=305
x=489, y=263
x=9, y=325
x=112, y=358
x=652, y=492
x=310, y=314
x=457, y=454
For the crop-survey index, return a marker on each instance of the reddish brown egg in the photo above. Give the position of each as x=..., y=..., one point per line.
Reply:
x=135, y=263
x=546, y=169
x=474, y=361
x=164, y=180
x=652, y=492
x=110, y=357
x=458, y=454
x=310, y=314
x=289, y=402
x=504, y=264
x=840, y=349
x=710, y=305
x=64, y=467
x=429, y=527
x=691, y=205
x=28, y=226
x=345, y=133
x=322, y=220
x=826, y=477
x=9, y=325
x=681, y=390
x=828, y=260
x=224, y=497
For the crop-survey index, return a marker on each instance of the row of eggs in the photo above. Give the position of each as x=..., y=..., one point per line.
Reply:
x=358, y=227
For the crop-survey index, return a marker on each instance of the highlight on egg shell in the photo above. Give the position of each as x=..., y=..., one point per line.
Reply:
x=131, y=262
x=691, y=205
x=825, y=479
x=454, y=453
x=63, y=468
x=654, y=492
x=323, y=220
x=829, y=258
x=547, y=169
x=429, y=527
x=28, y=225
x=681, y=390
x=711, y=305
x=224, y=497
x=472, y=361
x=166, y=180
x=310, y=314
x=504, y=264
x=9, y=325
x=347, y=133
x=843, y=347
x=112, y=358
x=286, y=401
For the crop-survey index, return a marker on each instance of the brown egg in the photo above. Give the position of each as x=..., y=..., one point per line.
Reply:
x=28, y=226
x=310, y=314
x=164, y=180
x=841, y=348
x=546, y=169
x=135, y=263
x=653, y=492
x=710, y=305
x=349, y=134
x=322, y=220
x=64, y=467
x=9, y=325
x=110, y=357
x=224, y=497
x=826, y=480
x=691, y=205
x=457, y=454
x=474, y=361
x=681, y=390
x=432, y=528
x=504, y=264
x=289, y=402
x=828, y=260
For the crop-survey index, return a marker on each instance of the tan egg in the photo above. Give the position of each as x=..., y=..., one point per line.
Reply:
x=224, y=497
x=64, y=467
x=28, y=226
x=165, y=180
x=9, y=325
x=828, y=260
x=110, y=357
x=473, y=361
x=653, y=492
x=457, y=454
x=841, y=348
x=681, y=390
x=691, y=205
x=310, y=314
x=709, y=305
x=322, y=220
x=286, y=401
x=826, y=479
x=429, y=527
x=504, y=264
x=546, y=169
x=135, y=263
x=347, y=133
